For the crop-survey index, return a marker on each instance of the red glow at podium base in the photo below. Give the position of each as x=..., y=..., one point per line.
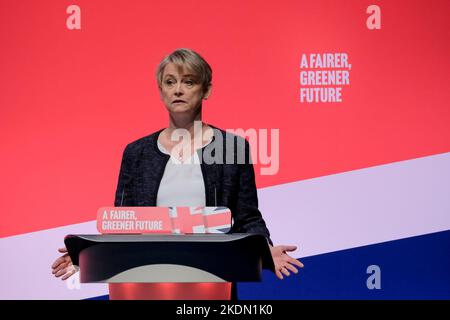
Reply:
x=170, y=291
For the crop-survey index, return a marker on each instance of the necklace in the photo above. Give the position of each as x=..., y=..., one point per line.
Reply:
x=178, y=149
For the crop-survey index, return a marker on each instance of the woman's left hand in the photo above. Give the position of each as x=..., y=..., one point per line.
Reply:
x=284, y=262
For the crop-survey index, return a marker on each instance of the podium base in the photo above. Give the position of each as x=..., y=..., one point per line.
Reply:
x=170, y=291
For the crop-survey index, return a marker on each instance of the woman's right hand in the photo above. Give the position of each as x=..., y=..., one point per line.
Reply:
x=63, y=266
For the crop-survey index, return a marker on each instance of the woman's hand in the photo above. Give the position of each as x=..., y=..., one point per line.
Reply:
x=283, y=262
x=63, y=266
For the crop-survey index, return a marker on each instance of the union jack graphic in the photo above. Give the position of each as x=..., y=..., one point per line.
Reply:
x=217, y=219
x=200, y=219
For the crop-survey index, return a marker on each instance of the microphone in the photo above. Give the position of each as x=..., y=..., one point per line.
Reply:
x=121, y=200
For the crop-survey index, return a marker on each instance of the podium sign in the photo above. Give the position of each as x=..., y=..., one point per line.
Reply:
x=163, y=220
x=168, y=253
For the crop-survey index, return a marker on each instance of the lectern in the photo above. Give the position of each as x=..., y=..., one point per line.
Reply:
x=193, y=266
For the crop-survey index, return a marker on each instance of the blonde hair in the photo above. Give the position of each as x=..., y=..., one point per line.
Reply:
x=190, y=59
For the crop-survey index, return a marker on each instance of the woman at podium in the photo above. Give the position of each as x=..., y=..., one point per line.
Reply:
x=190, y=162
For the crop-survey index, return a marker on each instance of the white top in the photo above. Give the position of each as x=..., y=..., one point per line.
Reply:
x=182, y=183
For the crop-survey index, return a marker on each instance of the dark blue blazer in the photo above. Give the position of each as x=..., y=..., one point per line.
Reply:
x=228, y=183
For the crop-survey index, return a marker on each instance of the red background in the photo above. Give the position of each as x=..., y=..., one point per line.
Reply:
x=72, y=99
